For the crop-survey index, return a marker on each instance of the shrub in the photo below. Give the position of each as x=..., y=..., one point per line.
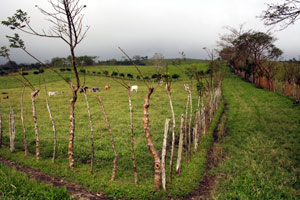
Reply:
x=36, y=72
x=62, y=69
x=175, y=76
x=82, y=71
x=24, y=73
x=68, y=69
x=138, y=77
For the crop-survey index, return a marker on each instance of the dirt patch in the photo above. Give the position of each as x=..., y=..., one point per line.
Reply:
x=208, y=180
x=75, y=190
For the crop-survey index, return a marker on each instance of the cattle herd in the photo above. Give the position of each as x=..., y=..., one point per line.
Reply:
x=84, y=89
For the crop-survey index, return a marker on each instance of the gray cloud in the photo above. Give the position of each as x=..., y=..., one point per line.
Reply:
x=143, y=27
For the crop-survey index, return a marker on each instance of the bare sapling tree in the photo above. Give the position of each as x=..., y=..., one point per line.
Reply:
x=12, y=130
x=128, y=88
x=1, y=133
x=52, y=122
x=163, y=155
x=153, y=151
x=132, y=138
x=111, y=140
x=23, y=124
x=285, y=13
x=67, y=24
x=180, y=145
x=92, y=132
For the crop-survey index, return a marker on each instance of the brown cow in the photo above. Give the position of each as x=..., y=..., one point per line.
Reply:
x=107, y=87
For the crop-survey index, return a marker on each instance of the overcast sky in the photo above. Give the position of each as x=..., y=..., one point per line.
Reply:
x=144, y=27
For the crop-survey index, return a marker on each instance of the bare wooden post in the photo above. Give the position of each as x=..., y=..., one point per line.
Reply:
x=0, y=125
x=36, y=130
x=163, y=155
x=180, y=146
x=12, y=130
x=190, y=120
x=92, y=132
x=53, y=126
x=203, y=121
x=156, y=158
x=23, y=125
x=132, y=139
x=168, y=88
x=111, y=140
x=196, y=135
x=185, y=129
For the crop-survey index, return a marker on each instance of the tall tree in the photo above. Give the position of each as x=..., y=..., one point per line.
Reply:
x=67, y=24
x=285, y=13
x=259, y=48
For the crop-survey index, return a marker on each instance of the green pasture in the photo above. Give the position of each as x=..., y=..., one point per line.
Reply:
x=260, y=153
x=116, y=104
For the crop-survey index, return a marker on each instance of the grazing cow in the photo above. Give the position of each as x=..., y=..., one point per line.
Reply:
x=6, y=97
x=95, y=89
x=107, y=87
x=52, y=93
x=134, y=87
x=90, y=89
x=83, y=89
x=63, y=93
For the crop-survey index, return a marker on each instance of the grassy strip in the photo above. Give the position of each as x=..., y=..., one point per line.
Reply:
x=261, y=149
x=16, y=185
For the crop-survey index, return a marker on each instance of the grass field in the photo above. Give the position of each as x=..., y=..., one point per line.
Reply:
x=16, y=185
x=116, y=104
x=260, y=154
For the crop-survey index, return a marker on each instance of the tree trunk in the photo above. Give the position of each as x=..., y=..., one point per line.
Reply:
x=132, y=140
x=111, y=140
x=261, y=80
x=53, y=125
x=72, y=127
x=163, y=155
x=1, y=133
x=180, y=145
x=289, y=91
x=294, y=90
x=36, y=130
x=23, y=125
x=168, y=87
x=12, y=130
x=297, y=96
x=92, y=133
x=283, y=88
x=156, y=158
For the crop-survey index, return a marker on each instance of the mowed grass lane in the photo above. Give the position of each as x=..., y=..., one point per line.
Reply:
x=261, y=158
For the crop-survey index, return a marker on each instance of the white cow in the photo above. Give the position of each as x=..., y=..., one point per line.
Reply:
x=52, y=93
x=134, y=87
